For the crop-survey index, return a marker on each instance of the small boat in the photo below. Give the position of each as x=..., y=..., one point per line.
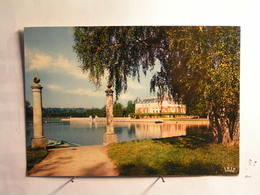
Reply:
x=158, y=121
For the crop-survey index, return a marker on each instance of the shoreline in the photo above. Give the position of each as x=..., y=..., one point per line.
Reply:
x=128, y=119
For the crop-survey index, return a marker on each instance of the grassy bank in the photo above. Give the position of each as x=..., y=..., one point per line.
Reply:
x=174, y=156
x=34, y=156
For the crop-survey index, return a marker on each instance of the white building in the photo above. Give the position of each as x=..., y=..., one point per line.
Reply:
x=154, y=105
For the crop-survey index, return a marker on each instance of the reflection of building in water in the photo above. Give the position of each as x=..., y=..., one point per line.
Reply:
x=152, y=130
x=154, y=105
x=87, y=124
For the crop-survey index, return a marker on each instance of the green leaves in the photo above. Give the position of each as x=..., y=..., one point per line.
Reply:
x=203, y=70
x=120, y=51
x=199, y=65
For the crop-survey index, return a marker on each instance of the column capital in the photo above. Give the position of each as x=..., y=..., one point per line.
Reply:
x=109, y=91
x=36, y=86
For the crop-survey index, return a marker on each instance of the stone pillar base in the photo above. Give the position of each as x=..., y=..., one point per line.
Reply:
x=39, y=142
x=109, y=138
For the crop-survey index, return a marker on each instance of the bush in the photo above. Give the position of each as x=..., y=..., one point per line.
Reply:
x=34, y=156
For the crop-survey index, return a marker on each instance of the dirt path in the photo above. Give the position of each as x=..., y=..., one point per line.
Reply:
x=76, y=161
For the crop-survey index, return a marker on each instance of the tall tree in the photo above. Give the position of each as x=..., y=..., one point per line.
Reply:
x=130, y=108
x=118, y=51
x=203, y=70
x=28, y=110
x=199, y=65
x=118, y=110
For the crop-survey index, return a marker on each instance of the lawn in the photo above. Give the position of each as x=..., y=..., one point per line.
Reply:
x=180, y=156
x=34, y=156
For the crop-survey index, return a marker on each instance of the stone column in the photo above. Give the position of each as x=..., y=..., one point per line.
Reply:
x=109, y=136
x=38, y=141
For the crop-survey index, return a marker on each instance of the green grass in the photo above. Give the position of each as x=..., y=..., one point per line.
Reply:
x=174, y=156
x=34, y=156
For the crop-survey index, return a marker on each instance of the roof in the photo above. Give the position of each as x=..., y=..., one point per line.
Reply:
x=152, y=100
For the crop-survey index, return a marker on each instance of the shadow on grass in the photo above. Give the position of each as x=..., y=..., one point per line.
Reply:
x=177, y=156
x=189, y=142
x=34, y=156
x=194, y=168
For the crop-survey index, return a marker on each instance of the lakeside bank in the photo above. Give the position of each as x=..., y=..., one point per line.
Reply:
x=202, y=121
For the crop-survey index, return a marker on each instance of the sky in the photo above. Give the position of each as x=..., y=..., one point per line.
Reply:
x=50, y=56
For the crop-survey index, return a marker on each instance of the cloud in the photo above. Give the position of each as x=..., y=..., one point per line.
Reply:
x=81, y=91
x=78, y=91
x=39, y=61
x=88, y=92
x=54, y=87
x=127, y=96
x=134, y=85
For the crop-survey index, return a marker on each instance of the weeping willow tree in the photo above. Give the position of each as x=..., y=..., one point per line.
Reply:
x=119, y=52
x=199, y=66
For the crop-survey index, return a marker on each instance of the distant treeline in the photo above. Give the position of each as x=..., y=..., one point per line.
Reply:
x=73, y=112
x=119, y=111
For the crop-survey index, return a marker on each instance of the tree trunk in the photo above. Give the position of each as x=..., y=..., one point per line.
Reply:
x=226, y=139
x=236, y=132
x=213, y=126
x=223, y=132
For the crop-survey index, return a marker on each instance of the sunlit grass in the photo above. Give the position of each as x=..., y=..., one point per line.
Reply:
x=174, y=156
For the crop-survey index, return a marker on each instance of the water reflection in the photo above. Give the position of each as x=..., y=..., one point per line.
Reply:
x=87, y=123
x=97, y=133
x=152, y=130
x=124, y=131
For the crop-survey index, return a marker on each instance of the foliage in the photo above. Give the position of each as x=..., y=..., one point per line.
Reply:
x=174, y=156
x=73, y=112
x=34, y=156
x=28, y=111
x=118, y=51
x=130, y=108
x=198, y=109
x=118, y=110
x=203, y=71
x=199, y=66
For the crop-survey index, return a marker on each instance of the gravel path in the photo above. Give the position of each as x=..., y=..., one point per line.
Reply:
x=76, y=161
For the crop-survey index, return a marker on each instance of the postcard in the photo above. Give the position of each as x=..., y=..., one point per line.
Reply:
x=132, y=100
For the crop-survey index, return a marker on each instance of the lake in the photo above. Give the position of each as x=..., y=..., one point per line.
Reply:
x=91, y=133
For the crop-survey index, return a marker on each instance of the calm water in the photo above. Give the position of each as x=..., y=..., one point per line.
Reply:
x=88, y=133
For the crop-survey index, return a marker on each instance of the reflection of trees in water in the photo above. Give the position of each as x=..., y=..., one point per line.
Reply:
x=131, y=131
x=202, y=130
x=87, y=123
x=118, y=130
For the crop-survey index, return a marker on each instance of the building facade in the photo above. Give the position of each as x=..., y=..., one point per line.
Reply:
x=154, y=105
